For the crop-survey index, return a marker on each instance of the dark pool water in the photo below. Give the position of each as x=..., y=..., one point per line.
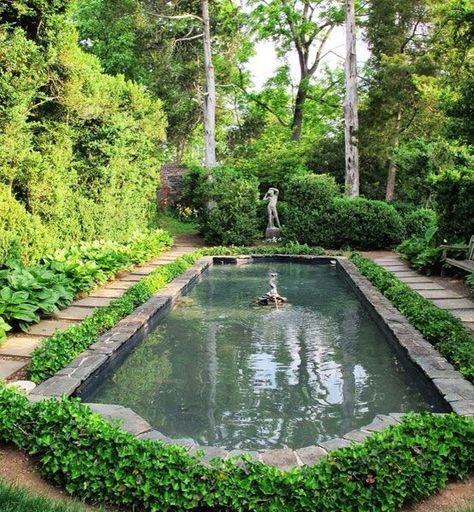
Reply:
x=225, y=372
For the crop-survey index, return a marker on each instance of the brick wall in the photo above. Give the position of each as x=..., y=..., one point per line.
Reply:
x=171, y=184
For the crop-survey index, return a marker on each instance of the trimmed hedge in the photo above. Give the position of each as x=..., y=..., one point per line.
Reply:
x=102, y=463
x=443, y=330
x=317, y=214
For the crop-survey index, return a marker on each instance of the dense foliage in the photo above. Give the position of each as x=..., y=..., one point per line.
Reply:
x=423, y=251
x=454, y=203
x=99, y=462
x=29, y=292
x=226, y=205
x=438, y=326
x=317, y=214
x=79, y=150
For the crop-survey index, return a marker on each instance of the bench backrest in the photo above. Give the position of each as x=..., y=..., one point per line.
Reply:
x=470, y=249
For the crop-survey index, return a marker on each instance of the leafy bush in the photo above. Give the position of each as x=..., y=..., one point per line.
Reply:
x=99, y=462
x=423, y=252
x=29, y=292
x=365, y=223
x=79, y=150
x=318, y=215
x=290, y=248
x=443, y=330
x=454, y=203
x=417, y=222
x=233, y=217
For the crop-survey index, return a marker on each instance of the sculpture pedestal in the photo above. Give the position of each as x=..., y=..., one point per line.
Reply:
x=272, y=233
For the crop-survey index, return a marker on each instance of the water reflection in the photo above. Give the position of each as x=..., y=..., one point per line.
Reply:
x=224, y=372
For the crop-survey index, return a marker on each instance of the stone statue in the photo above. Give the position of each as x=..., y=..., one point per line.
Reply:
x=272, y=298
x=272, y=197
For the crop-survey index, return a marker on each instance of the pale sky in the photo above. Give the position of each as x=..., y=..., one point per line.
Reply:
x=264, y=63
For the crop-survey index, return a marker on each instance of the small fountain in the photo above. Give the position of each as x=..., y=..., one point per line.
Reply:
x=272, y=298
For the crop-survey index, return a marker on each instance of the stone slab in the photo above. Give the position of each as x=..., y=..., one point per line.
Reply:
x=74, y=313
x=56, y=386
x=454, y=304
x=439, y=294
x=425, y=286
x=466, y=315
x=10, y=366
x=310, y=455
x=49, y=327
x=119, y=285
x=143, y=271
x=20, y=345
x=155, y=435
x=357, y=435
x=407, y=275
x=417, y=279
x=395, y=267
x=107, y=292
x=456, y=387
x=94, y=302
x=131, y=277
x=334, y=444
x=380, y=422
x=128, y=420
x=281, y=458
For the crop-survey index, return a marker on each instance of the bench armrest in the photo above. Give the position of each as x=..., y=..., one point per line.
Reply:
x=446, y=248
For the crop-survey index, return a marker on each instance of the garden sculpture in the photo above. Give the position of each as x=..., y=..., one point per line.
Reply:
x=272, y=197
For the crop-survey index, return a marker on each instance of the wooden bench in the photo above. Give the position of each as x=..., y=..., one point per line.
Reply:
x=468, y=263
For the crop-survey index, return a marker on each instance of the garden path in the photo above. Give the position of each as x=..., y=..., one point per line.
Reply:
x=443, y=292
x=15, y=351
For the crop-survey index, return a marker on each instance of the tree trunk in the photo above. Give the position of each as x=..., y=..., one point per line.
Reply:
x=209, y=103
x=351, y=115
x=297, y=123
x=392, y=168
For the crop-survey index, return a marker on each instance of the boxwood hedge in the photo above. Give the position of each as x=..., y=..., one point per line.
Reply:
x=99, y=462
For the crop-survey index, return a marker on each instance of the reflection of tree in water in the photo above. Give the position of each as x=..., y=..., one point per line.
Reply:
x=224, y=372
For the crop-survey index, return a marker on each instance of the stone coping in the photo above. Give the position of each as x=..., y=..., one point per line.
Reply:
x=81, y=374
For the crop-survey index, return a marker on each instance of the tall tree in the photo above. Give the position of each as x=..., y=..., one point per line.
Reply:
x=304, y=26
x=209, y=100
x=351, y=115
x=397, y=33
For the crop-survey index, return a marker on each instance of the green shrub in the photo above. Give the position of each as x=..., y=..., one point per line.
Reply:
x=423, y=252
x=317, y=214
x=454, y=204
x=470, y=282
x=21, y=234
x=233, y=218
x=417, y=222
x=366, y=224
x=79, y=150
x=438, y=326
x=95, y=460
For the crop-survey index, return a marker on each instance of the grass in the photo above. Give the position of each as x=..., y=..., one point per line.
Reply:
x=15, y=499
x=175, y=226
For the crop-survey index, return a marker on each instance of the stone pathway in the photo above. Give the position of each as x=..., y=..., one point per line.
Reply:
x=459, y=304
x=15, y=351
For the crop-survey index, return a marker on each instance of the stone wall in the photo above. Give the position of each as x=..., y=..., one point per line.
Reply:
x=171, y=184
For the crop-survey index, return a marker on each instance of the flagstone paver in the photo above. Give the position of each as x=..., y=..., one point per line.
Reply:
x=460, y=306
x=16, y=350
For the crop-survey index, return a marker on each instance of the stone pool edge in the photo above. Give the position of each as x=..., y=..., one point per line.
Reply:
x=457, y=392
